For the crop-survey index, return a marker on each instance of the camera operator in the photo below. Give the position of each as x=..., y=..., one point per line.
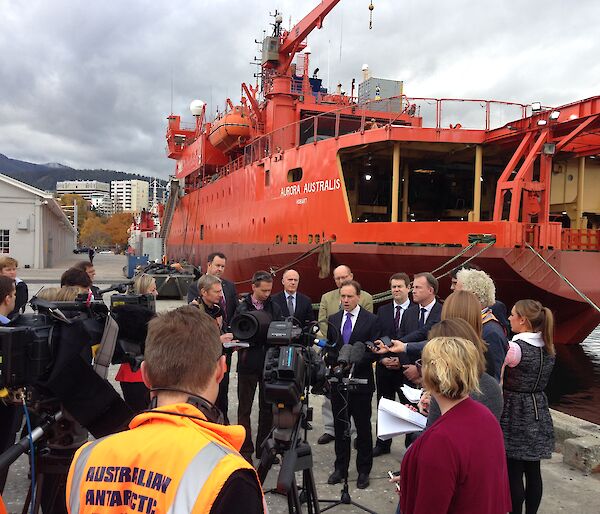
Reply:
x=88, y=267
x=176, y=457
x=228, y=302
x=77, y=278
x=355, y=324
x=250, y=367
x=135, y=392
x=10, y=415
x=209, y=301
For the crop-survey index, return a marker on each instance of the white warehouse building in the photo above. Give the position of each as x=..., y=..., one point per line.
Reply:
x=33, y=227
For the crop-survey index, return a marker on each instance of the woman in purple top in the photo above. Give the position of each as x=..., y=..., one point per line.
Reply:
x=458, y=465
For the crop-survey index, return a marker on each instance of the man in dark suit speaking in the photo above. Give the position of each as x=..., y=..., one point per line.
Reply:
x=292, y=303
x=355, y=324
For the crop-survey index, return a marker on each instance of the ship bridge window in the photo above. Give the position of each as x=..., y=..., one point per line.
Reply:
x=436, y=179
x=295, y=175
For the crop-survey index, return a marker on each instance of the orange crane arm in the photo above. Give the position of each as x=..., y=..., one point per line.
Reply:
x=300, y=31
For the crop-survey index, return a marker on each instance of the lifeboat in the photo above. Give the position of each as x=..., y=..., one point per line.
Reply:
x=230, y=131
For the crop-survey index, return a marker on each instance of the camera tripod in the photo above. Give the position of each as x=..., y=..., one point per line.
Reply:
x=296, y=455
x=52, y=457
x=342, y=386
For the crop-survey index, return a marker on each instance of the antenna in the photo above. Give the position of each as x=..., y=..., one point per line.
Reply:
x=171, y=89
x=341, y=33
x=277, y=25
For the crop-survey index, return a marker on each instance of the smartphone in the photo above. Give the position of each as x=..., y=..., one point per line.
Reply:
x=236, y=344
x=371, y=345
x=394, y=474
x=386, y=341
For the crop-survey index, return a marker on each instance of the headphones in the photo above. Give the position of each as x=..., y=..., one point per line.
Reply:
x=211, y=411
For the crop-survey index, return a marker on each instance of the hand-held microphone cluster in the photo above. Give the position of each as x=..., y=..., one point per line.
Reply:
x=349, y=355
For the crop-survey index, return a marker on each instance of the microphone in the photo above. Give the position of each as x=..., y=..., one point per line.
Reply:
x=356, y=355
x=120, y=288
x=345, y=355
x=357, y=352
x=323, y=343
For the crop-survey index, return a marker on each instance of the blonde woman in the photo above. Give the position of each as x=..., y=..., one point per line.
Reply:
x=526, y=421
x=135, y=393
x=458, y=465
x=490, y=392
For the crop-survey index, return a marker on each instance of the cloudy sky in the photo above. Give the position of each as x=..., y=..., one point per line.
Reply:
x=88, y=84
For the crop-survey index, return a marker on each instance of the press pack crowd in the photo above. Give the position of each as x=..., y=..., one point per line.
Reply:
x=483, y=370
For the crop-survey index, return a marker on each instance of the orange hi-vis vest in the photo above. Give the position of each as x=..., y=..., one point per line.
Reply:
x=166, y=464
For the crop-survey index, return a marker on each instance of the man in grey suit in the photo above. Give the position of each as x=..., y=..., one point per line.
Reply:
x=330, y=304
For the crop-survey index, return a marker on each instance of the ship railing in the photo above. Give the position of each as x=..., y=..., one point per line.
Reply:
x=581, y=239
x=444, y=113
x=540, y=235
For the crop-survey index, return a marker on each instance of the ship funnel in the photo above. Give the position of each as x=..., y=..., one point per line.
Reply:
x=197, y=106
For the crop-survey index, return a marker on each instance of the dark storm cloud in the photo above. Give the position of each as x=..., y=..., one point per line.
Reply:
x=89, y=83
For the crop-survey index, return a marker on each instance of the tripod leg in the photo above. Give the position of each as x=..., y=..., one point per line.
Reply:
x=294, y=505
x=310, y=489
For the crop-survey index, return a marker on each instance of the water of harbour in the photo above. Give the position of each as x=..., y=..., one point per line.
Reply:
x=574, y=386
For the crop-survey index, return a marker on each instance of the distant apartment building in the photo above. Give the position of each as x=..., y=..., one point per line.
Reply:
x=95, y=192
x=129, y=195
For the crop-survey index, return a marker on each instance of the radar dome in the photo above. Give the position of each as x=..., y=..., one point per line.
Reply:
x=196, y=107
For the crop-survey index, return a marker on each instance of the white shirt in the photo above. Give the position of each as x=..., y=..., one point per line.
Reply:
x=427, y=310
x=353, y=318
x=404, y=306
x=514, y=354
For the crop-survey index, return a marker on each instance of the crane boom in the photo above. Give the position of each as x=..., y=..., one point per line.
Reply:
x=300, y=31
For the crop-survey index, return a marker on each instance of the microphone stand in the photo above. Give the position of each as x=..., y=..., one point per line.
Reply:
x=341, y=386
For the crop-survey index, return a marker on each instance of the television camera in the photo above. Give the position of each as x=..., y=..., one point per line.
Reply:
x=46, y=366
x=291, y=366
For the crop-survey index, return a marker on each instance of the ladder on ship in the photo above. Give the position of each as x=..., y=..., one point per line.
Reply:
x=172, y=202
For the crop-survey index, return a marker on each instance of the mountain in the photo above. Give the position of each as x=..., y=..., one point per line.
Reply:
x=45, y=176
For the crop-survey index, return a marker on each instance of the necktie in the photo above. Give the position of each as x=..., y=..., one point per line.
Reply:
x=290, y=304
x=347, y=328
x=422, y=317
x=223, y=306
x=397, y=316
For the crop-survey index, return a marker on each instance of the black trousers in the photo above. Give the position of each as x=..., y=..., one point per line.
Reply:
x=246, y=389
x=11, y=418
x=136, y=395
x=222, y=399
x=358, y=407
x=388, y=386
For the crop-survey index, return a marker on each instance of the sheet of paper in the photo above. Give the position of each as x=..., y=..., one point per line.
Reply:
x=403, y=413
x=412, y=394
x=389, y=426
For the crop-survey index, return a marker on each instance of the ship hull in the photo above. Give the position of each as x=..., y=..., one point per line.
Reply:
x=267, y=214
x=373, y=264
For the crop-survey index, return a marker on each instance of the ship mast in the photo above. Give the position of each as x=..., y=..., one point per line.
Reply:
x=277, y=55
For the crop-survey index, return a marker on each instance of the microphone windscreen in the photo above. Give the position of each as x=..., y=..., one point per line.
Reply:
x=358, y=352
x=345, y=353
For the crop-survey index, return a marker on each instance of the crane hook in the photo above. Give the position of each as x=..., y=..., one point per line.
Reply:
x=371, y=7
